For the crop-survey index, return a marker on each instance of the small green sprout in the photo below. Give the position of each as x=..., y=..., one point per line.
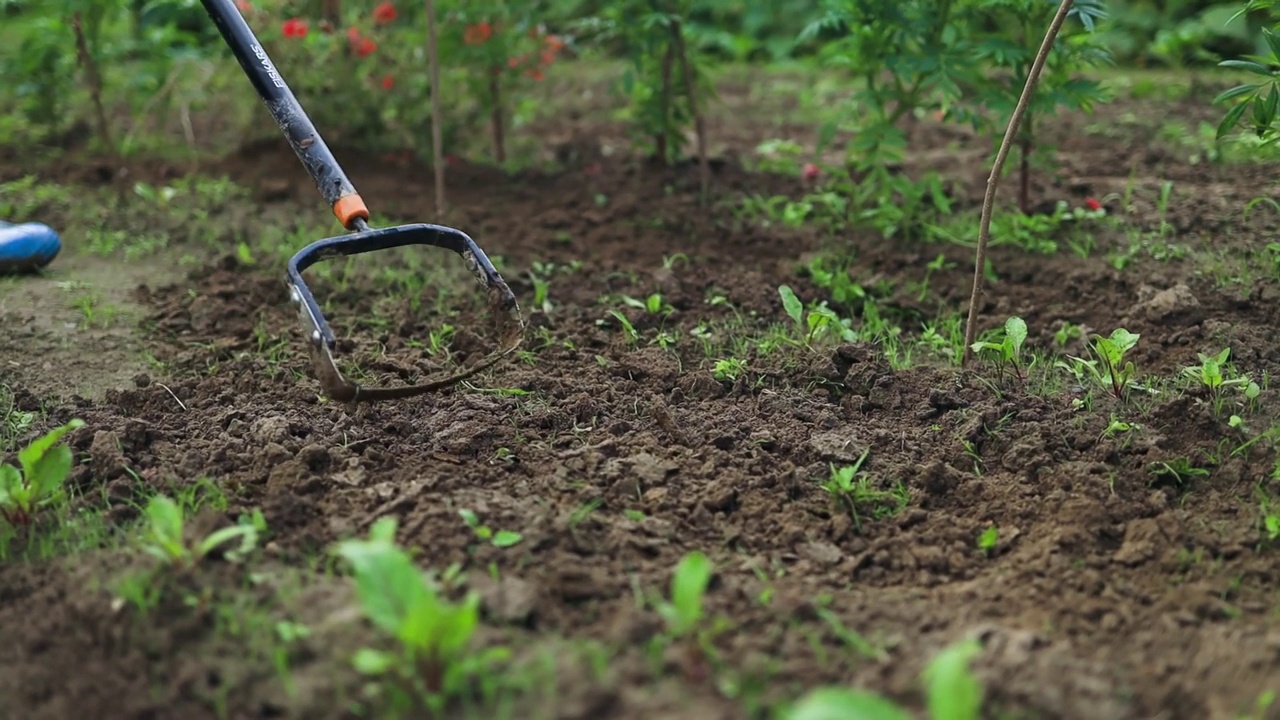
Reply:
x=819, y=321
x=1109, y=368
x=1007, y=352
x=851, y=489
x=951, y=690
x=689, y=582
x=1215, y=376
x=434, y=658
x=165, y=535
x=1177, y=472
x=989, y=538
x=629, y=331
x=45, y=466
x=729, y=369
x=501, y=538
x=653, y=304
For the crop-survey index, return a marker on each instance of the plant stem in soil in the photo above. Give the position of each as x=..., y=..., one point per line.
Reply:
x=495, y=116
x=993, y=181
x=94, y=81
x=699, y=123
x=660, y=139
x=437, y=136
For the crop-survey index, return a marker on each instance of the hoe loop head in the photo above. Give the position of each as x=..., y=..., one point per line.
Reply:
x=502, y=302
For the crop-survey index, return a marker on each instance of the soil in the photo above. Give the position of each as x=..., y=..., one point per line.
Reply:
x=1109, y=596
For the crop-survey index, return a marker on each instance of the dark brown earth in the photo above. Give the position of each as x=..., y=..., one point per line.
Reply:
x=1110, y=595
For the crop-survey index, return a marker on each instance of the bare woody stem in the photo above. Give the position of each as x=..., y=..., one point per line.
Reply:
x=660, y=139
x=437, y=136
x=94, y=80
x=993, y=182
x=691, y=87
x=495, y=116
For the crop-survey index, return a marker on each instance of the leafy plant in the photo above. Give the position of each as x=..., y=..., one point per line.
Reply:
x=851, y=489
x=1007, y=352
x=950, y=688
x=1011, y=48
x=434, y=660
x=501, y=538
x=165, y=535
x=1109, y=369
x=729, y=369
x=1262, y=96
x=40, y=483
x=684, y=612
x=818, y=322
x=1216, y=376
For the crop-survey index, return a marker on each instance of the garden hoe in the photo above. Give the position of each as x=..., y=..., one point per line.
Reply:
x=354, y=216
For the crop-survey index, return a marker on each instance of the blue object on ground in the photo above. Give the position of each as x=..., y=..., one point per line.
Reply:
x=27, y=247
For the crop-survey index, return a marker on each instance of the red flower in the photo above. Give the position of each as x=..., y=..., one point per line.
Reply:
x=516, y=62
x=478, y=33
x=353, y=35
x=810, y=171
x=244, y=6
x=535, y=74
x=388, y=82
x=548, y=57
x=365, y=47
x=294, y=28
x=554, y=44
x=384, y=13
x=1092, y=204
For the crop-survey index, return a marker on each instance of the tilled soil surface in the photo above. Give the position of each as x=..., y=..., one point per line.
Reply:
x=1110, y=595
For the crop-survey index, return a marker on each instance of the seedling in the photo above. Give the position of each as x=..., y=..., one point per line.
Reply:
x=433, y=661
x=501, y=538
x=684, y=613
x=165, y=535
x=40, y=483
x=817, y=322
x=1109, y=368
x=1007, y=352
x=1214, y=374
x=851, y=489
x=729, y=369
x=653, y=304
x=629, y=332
x=989, y=538
x=950, y=688
x=1177, y=472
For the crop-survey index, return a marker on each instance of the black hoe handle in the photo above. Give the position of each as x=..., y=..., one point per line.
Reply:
x=289, y=115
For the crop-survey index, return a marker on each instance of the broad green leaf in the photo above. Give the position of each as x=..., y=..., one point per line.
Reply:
x=688, y=584
x=32, y=453
x=459, y=625
x=165, y=524
x=368, y=661
x=507, y=538
x=48, y=473
x=388, y=583
x=791, y=303
x=246, y=533
x=842, y=704
x=1230, y=120
x=1246, y=65
x=1015, y=328
x=1235, y=92
x=951, y=690
x=11, y=486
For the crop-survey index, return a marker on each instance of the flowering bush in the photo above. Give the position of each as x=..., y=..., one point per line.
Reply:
x=367, y=82
x=499, y=53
